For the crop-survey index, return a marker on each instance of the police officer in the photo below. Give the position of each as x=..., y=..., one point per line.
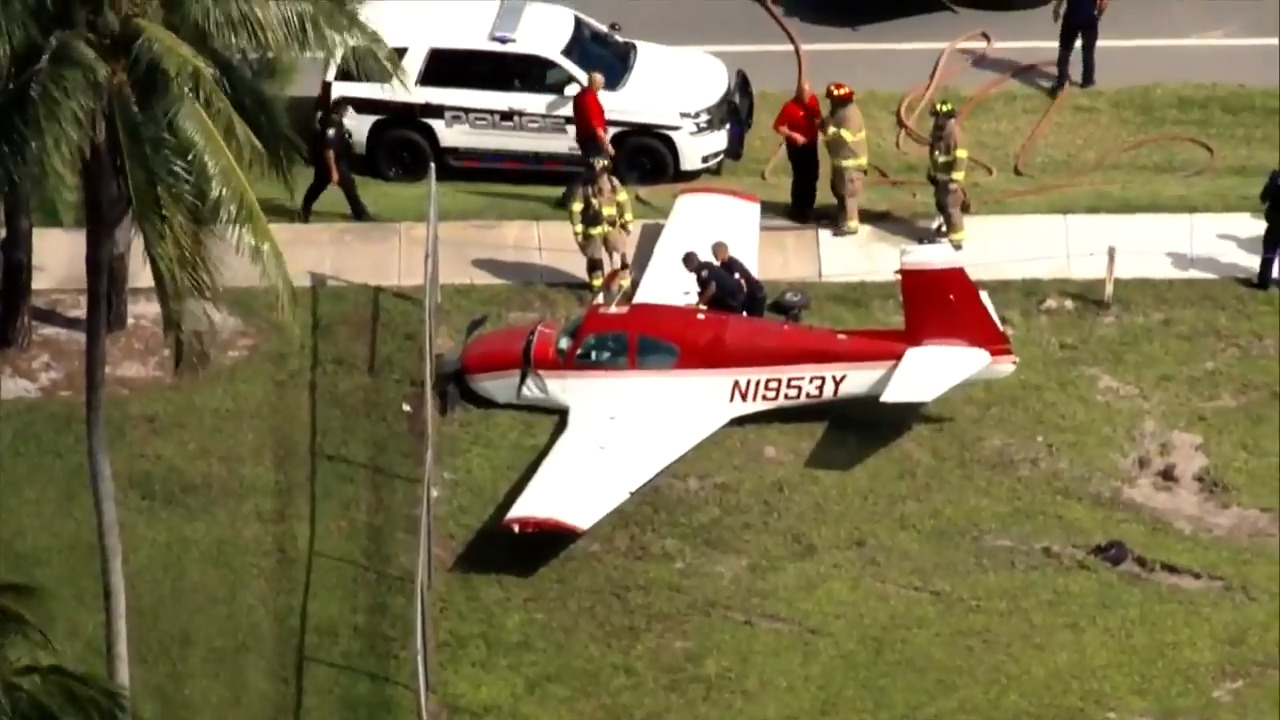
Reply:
x=600, y=213
x=948, y=158
x=845, y=135
x=717, y=290
x=755, y=299
x=1270, y=196
x=1079, y=23
x=331, y=158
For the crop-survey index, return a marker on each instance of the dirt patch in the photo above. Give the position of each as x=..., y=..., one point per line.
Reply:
x=1110, y=388
x=1118, y=556
x=1056, y=304
x=689, y=485
x=1170, y=476
x=136, y=357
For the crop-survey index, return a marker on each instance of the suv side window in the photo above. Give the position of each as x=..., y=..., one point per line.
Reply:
x=607, y=351
x=655, y=354
x=493, y=72
x=364, y=56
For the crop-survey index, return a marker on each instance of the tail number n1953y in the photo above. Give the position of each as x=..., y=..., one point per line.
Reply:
x=797, y=387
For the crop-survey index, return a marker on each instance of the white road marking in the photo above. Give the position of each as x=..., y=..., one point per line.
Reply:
x=1191, y=42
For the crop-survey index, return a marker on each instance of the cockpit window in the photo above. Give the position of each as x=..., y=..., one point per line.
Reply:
x=655, y=354
x=595, y=50
x=568, y=332
x=603, y=350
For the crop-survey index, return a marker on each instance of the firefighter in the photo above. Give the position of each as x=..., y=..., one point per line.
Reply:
x=600, y=212
x=845, y=135
x=947, y=161
x=756, y=301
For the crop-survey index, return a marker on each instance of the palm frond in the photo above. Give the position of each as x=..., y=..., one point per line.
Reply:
x=265, y=113
x=159, y=49
x=166, y=207
x=53, y=109
x=231, y=194
x=20, y=30
x=287, y=30
x=71, y=695
x=15, y=622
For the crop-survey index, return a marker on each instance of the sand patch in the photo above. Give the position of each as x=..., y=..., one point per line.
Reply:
x=136, y=356
x=1111, y=388
x=1170, y=476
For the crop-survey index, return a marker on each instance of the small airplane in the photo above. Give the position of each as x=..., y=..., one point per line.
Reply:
x=663, y=371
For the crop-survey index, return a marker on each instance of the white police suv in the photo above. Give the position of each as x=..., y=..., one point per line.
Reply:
x=490, y=84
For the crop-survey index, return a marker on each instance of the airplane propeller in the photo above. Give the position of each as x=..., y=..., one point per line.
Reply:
x=448, y=382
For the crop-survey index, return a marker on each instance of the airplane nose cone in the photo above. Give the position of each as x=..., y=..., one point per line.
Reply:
x=496, y=351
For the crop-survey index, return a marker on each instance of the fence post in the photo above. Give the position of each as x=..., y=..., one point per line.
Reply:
x=1109, y=284
x=423, y=606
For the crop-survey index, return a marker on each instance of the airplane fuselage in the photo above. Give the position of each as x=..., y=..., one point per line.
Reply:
x=745, y=390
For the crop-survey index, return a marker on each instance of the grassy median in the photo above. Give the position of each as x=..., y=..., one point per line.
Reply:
x=1240, y=124
x=1088, y=130
x=816, y=566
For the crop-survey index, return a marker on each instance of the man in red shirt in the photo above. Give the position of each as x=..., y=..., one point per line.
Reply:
x=589, y=127
x=797, y=123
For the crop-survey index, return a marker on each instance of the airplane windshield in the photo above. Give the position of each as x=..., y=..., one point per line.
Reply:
x=595, y=50
x=568, y=333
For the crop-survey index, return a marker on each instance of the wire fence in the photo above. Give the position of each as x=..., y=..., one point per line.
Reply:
x=424, y=620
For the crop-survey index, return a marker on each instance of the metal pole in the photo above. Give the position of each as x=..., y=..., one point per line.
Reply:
x=423, y=615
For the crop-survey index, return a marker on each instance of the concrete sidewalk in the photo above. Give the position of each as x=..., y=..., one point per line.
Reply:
x=1001, y=247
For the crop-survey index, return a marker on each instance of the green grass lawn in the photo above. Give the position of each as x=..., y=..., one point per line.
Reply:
x=774, y=572
x=1239, y=122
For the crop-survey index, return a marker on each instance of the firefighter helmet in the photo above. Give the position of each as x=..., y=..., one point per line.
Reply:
x=839, y=91
x=943, y=109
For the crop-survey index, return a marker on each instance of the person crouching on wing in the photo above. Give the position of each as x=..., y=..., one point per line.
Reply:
x=755, y=299
x=600, y=213
x=717, y=290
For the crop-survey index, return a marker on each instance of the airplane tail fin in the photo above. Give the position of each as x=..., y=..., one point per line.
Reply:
x=942, y=305
x=951, y=325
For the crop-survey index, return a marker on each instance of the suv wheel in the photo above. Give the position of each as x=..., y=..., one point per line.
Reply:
x=401, y=155
x=644, y=160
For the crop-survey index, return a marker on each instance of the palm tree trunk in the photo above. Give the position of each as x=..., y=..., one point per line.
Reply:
x=101, y=203
x=15, y=269
x=118, y=267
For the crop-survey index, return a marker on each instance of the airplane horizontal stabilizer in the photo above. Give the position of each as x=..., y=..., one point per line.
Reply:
x=926, y=372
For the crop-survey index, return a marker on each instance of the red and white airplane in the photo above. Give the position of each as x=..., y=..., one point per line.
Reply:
x=663, y=372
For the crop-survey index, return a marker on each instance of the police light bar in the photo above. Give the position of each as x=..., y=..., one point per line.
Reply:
x=507, y=21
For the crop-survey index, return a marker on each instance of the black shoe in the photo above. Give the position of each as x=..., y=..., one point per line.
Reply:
x=304, y=217
x=1253, y=284
x=1088, y=84
x=1057, y=88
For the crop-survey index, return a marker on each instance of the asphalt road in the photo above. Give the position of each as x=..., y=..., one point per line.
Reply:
x=743, y=24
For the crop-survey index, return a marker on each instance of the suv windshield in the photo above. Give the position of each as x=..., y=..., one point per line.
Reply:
x=595, y=50
x=568, y=331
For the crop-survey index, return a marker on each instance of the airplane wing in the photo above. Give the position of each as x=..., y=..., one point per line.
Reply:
x=927, y=372
x=597, y=463
x=699, y=217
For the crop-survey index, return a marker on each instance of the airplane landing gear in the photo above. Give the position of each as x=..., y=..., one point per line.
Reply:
x=791, y=304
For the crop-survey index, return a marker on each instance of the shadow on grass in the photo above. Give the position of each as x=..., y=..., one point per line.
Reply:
x=856, y=430
x=369, y=504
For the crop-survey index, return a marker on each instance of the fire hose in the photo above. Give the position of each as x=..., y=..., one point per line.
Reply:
x=909, y=139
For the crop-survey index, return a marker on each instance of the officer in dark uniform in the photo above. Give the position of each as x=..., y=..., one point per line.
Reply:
x=1270, y=196
x=756, y=300
x=717, y=290
x=331, y=157
x=1080, y=22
